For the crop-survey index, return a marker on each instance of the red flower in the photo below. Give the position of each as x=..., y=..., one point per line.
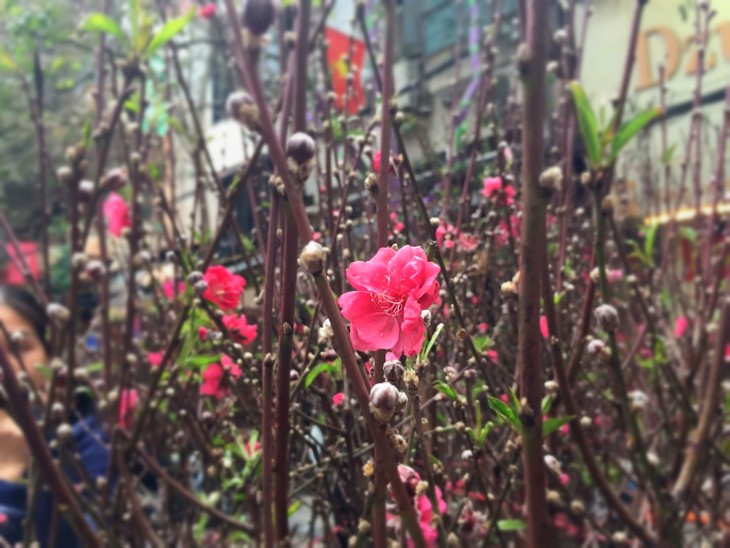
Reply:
x=391, y=291
x=224, y=288
x=680, y=326
x=155, y=358
x=207, y=11
x=492, y=186
x=544, y=330
x=442, y=231
x=213, y=375
x=242, y=331
x=116, y=212
x=127, y=403
x=168, y=288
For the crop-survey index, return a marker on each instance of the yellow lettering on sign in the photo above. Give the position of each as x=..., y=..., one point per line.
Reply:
x=645, y=66
x=723, y=30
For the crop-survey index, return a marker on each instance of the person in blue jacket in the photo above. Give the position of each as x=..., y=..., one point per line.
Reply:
x=26, y=322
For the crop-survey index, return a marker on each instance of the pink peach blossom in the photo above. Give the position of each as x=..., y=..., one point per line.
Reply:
x=127, y=403
x=169, y=288
x=544, y=330
x=391, y=290
x=224, y=287
x=155, y=358
x=338, y=399
x=492, y=186
x=242, y=331
x=680, y=326
x=116, y=213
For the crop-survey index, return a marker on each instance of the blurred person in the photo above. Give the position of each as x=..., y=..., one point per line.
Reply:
x=21, y=313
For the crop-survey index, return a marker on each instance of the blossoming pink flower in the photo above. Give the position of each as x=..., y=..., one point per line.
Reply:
x=168, y=288
x=614, y=275
x=207, y=11
x=467, y=242
x=442, y=231
x=155, y=358
x=213, y=375
x=492, y=186
x=127, y=402
x=397, y=225
x=242, y=331
x=502, y=235
x=391, y=291
x=544, y=330
x=680, y=326
x=116, y=213
x=203, y=332
x=338, y=398
x=224, y=287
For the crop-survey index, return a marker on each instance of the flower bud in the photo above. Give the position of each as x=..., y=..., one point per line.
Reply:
x=594, y=347
x=637, y=400
x=114, y=179
x=607, y=317
x=244, y=110
x=195, y=276
x=258, y=15
x=86, y=190
x=200, y=286
x=551, y=179
x=300, y=150
x=577, y=507
x=393, y=371
x=383, y=401
x=65, y=174
x=312, y=258
x=64, y=432
x=551, y=387
x=58, y=313
x=325, y=333
x=509, y=288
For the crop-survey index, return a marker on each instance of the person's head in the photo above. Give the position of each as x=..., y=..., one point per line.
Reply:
x=23, y=317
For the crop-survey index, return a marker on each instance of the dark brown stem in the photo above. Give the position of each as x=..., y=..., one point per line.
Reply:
x=532, y=60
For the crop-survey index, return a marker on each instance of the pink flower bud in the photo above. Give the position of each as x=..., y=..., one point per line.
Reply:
x=383, y=401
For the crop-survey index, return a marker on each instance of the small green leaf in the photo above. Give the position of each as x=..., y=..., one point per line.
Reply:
x=627, y=131
x=444, y=388
x=98, y=22
x=6, y=62
x=551, y=425
x=201, y=361
x=432, y=341
x=171, y=29
x=547, y=403
x=482, y=343
x=294, y=507
x=323, y=367
x=649, y=241
x=506, y=525
x=504, y=411
x=587, y=124
x=667, y=155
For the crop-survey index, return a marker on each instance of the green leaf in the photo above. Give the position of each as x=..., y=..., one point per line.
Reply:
x=667, y=155
x=201, y=361
x=629, y=129
x=551, y=425
x=323, y=367
x=432, y=341
x=444, y=388
x=504, y=411
x=547, y=403
x=98, y=22
x=6, y=63
x=649, y=242
x=294, y=507
x=171, y=29
x=506, y=525
x=587, y=124
x=482, y=343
